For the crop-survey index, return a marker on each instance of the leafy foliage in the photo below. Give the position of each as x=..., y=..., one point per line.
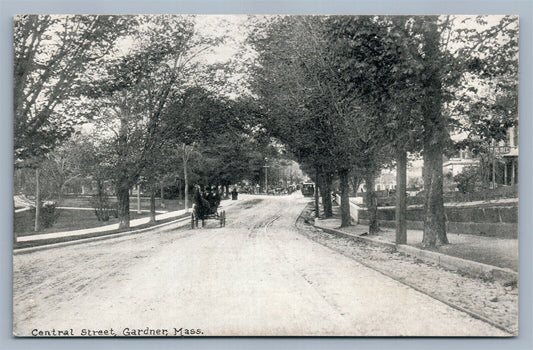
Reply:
x=55, y=56
x=468, y=180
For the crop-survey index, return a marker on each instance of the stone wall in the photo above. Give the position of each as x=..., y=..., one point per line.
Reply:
x=498, y=219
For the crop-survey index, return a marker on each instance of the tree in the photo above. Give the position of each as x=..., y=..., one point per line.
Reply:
x=407, y=77
x=487, y=105
x=95, y=162
x=187, y=123
x=64, y=165
x=54, y=56
x=137, y=90
x=434, y=138
x=371, y=58
x=218, y=130
x=491, y=55
x=304, y=109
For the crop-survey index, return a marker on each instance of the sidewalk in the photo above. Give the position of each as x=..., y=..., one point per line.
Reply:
x=499, y=252
x=108, y=229
x=101, y=229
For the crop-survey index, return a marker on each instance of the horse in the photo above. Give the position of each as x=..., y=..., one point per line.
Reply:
x=201, y=205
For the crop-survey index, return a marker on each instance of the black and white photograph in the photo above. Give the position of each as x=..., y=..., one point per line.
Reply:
x=265, y=175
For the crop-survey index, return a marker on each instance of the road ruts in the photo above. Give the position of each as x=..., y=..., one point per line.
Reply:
x=256, y=276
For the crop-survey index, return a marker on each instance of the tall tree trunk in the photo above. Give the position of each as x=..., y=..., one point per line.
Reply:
x=372, y=205
x=61, y=189
x=139, y=199
x=163, y=194
x=346, y=219
x=123, y=183
x=152, y=204
x=185, y=178
x=102, y=208
x=401, y=197
x=325, y=193
x=328, y=208
x=433, y=141
x=326, y=180
x=322, y=190
x=434, y=216
x=37, y=226
x=317, y=180
x=123, y=196
x=356, y=181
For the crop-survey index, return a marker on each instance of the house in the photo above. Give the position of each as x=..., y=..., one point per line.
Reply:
x=457, y=163
x=510, y=157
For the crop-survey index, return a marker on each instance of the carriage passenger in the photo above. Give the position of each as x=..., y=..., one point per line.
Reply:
x=206, y=193
x=211, y=198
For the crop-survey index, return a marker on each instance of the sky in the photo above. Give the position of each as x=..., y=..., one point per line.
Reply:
x=233, y=29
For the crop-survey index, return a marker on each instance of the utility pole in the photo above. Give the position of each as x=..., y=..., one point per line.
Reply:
x=493, y=166
x=37, y=226
x=266, y=174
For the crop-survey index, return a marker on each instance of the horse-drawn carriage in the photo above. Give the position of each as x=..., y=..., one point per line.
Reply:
x=206, y=206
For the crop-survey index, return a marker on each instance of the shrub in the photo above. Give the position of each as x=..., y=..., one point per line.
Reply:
x=467, y=180
x=49, y=215
x=102, y=208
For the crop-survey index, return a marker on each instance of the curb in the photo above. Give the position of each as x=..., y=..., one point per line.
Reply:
x=511, y=332
x=356, y=238
x=468, y=267
x=166, y=225
x=84, y=239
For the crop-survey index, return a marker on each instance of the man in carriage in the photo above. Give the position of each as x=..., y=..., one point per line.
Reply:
x=214, y=197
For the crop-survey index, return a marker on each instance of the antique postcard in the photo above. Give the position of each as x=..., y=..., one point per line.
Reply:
x=265, y=175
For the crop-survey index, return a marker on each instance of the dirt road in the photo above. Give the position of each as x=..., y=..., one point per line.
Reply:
x=256, y=276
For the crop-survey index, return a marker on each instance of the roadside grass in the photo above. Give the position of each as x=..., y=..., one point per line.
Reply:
x=495, y=251
x=68, y=220
x=74, y=219
x=106, y=234
x=168, y=204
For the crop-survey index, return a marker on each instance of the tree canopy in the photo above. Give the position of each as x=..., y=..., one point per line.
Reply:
x=54, y=59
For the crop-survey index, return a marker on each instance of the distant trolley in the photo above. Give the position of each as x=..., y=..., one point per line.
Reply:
x=308, y=189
